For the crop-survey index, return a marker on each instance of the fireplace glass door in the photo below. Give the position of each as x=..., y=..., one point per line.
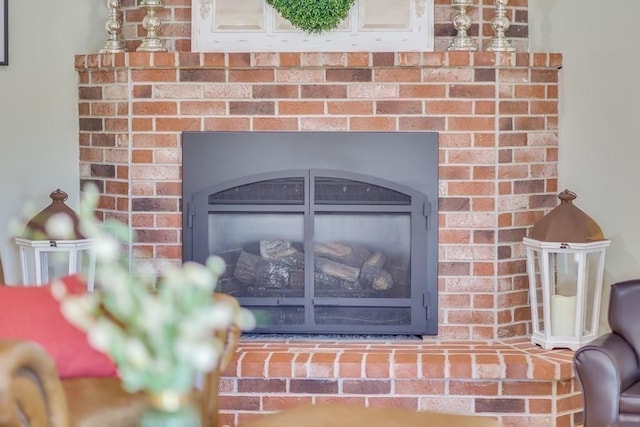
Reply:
x=317, y=250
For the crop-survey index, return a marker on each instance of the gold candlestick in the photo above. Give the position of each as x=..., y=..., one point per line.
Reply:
x=114, y=43
x=500, y=24
x=462, y=23
x=151, y=23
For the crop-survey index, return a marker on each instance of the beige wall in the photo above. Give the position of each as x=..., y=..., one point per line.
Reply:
x=38, y=106
x=599, y=118
x=599, y=115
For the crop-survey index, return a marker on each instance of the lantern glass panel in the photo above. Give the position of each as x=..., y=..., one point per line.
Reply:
x=58, y=263
x=591, y=281
x=538, y=295
x=564, y=267
x=564, y=273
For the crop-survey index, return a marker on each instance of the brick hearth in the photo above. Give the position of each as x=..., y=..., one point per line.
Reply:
x=497, y=118
x=513, y=380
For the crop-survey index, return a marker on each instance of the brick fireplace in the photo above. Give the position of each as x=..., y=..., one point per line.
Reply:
x=496, y=115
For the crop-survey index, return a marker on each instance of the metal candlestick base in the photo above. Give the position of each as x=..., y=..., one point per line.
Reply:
x=500, y=24
x=151, y=23
x=462, y=23
x=114, y=43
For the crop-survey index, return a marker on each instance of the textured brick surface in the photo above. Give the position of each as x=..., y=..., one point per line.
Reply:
x=496, y=115
x=513, y=380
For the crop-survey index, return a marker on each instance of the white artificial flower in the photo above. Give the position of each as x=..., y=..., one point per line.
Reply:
x=172, y=277
x=16, y=227
x=106, y=249
x=146, y=273
x=78, y=310
x=136, y=354
x=195, y=326
x=117, y=288
x=198, y=275
x=245, y=320
x=59, y=226
x=154, y=317
x=101, y=335
x=220, y=316
x=58, y=290
x=29, y=210
x=216, y=264
x=204, y=357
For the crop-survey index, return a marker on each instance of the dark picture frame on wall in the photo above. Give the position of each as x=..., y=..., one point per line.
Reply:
x=4, y=32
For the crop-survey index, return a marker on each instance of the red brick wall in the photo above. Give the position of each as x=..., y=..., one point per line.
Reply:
x=176, y=27
x=497, y=116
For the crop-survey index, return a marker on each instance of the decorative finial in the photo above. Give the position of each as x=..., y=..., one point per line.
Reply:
x=567, y=196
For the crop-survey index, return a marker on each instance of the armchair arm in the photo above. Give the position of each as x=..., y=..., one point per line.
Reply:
x=605, y=367
x=230, y=338
x=30, y=390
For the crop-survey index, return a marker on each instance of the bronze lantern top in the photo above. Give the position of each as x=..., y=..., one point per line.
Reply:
x=567, y=223
x=35, y=228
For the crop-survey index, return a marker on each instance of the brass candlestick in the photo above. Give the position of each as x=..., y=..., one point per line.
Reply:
x=151, y=23
x=500, y=24
x=114, y=43
x=462, y=23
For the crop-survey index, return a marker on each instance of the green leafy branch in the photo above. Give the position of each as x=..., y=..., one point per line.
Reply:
x=313, y=16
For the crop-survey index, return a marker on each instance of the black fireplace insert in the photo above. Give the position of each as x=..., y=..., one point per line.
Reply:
x=322, y=232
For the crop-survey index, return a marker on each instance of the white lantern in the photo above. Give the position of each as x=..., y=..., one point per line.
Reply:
x=565, y=262
x=44, y=258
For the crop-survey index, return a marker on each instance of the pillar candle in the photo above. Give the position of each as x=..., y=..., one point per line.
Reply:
x=563, y=315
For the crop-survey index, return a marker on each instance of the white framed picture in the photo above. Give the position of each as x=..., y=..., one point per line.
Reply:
x=255, y=26
x=4, y=32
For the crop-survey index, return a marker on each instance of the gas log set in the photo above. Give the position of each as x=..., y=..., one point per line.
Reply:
x=270, y=267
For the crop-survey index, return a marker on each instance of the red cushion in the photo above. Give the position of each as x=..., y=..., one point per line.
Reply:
x=31, y=313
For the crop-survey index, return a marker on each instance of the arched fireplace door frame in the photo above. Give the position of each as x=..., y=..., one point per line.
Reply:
x=422, y=301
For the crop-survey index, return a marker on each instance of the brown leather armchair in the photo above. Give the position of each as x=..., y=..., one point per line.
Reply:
x=31, y=394
x=608, y=368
